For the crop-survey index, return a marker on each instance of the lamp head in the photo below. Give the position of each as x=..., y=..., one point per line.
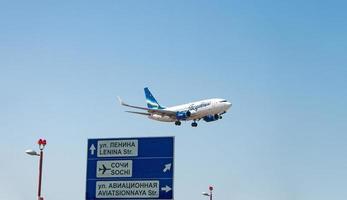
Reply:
x=205, y=194
x=31, y=152
x=42, y=143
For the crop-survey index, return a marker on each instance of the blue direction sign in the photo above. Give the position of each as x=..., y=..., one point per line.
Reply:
x=130, y=168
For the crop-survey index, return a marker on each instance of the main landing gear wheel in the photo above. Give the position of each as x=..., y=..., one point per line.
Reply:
x=194, y=124
x=177, y=123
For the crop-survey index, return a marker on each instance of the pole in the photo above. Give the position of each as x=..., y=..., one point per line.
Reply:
x=210, y=188
x=40, y=176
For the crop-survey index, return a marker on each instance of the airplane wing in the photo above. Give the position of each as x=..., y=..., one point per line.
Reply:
x=140, y=113
x=149, y=110
x=125, y=104
x=162, y=112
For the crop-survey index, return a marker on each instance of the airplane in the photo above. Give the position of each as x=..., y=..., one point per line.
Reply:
x=104, y=169
x=209, y=110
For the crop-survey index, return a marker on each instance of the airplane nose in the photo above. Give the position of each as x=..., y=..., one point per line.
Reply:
x=228, y=104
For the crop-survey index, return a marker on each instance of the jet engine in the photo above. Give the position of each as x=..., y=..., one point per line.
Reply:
x=183, y=115
x=211, y=118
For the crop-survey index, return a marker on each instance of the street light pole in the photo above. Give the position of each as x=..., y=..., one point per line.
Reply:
x=210, y=188
x=40, y=176
x=42, y=143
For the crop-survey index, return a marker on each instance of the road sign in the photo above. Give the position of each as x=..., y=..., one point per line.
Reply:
x=130, y=168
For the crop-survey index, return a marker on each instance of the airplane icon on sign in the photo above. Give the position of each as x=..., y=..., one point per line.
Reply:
x=104, y=169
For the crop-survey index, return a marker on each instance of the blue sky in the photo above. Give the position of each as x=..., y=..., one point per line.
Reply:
x=282, y=64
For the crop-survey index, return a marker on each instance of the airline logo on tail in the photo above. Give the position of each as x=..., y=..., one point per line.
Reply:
x=151, y=101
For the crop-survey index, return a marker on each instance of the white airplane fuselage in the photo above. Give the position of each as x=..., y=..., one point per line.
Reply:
x=209, y=110
x=198, y=109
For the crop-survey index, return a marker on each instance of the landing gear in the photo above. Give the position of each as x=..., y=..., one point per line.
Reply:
x=216, y=117
x=177, y=123
x=194, y=124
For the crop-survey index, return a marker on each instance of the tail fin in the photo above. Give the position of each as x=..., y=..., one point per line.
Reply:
x=151, y=102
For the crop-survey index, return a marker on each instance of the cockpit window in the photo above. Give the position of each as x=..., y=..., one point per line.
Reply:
x=223, y=101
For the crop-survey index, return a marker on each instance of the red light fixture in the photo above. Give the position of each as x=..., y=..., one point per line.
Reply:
x=42, y=143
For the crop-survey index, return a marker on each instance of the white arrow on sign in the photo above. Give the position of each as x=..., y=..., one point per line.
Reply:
x=166, y=189
x=167, y=167
x=92, y=149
